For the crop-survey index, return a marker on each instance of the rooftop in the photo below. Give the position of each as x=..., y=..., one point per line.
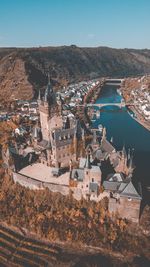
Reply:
x=124, y=189
x=106, y=146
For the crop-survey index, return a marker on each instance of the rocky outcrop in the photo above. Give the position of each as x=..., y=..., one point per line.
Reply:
x=14, y=82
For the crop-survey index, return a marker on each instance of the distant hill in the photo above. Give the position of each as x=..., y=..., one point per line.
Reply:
x=23, y=70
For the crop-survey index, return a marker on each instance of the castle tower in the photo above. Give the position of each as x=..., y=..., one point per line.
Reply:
x=130, y=163
x=50, y=112
x=104, y=134
x=75, y=144
x=124, y=159
x=122, y=166
x=88, y=163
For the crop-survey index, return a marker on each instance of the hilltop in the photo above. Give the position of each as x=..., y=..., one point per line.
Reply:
x=23, y=70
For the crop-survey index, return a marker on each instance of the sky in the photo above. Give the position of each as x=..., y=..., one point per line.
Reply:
x=89, y=23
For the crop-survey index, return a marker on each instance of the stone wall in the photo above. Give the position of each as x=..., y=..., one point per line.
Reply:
x=126, y=208
x=63, y=189
x=79, y=193
x=35, y=184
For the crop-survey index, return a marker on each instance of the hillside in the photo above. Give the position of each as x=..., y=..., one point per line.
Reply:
x=43, y=228
x=23, y=70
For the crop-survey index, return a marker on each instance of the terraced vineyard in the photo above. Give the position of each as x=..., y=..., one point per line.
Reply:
x=17, y=249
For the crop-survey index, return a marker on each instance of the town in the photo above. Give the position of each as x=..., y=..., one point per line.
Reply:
x=62, y=152
x=139, y=94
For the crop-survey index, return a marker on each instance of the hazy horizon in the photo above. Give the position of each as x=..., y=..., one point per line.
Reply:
x=57, y=46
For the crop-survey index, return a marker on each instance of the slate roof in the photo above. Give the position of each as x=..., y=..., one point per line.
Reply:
x=117, y=177
x=93, y=187
x=64, y=136
x=82, y=163
x=106, y=146
x=130, y=190
x=95, y=168
x=44, y=144
x=13, y=150
x=36, y=132
x=87, y=162
x=115, y=162
x=100, y=155
x=124, y=189
x=111, y=186
x=77, y=174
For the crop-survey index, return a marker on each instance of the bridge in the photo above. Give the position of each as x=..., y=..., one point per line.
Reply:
x=99, y=105
x=120, y=104
x=117, y=82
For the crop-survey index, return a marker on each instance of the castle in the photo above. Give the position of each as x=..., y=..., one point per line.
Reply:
x=65, y=161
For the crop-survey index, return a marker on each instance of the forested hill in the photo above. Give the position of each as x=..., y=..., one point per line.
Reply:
x=23, y=70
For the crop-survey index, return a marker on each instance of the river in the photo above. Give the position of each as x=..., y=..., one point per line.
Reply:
x=125, y=131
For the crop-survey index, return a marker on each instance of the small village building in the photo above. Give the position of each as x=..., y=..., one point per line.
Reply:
x=86, y=178
x=124, y=200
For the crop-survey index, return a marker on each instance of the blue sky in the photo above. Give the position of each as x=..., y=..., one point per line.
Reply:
x=113, y=23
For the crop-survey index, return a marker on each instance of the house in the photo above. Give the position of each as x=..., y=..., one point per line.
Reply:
x=86, y=179
x=124, y=200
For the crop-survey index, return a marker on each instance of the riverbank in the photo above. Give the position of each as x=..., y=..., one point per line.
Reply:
x=94, y=93
x=139, y=118
x=130, y=86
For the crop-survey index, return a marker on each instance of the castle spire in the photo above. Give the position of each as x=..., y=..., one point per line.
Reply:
x=49, y=79
x=88, y=163
x=39, y=96
x=45, y=95
x=49, y=95
x=104, y=134
x=124, y=154
x=94, y=140
x=130, y=163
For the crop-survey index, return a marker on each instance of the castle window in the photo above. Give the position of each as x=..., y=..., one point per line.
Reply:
x=92, y=179
x=86, y=173
x=87, y=185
